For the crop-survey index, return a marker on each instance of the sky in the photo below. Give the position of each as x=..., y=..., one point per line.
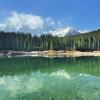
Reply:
x=40, y=16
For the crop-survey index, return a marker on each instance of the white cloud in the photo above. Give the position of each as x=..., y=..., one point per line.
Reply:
x=20, y=20
x=2, y=26
x=32, y=23
x=28, y=23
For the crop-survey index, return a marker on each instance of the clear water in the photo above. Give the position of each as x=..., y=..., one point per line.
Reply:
x=37, y=78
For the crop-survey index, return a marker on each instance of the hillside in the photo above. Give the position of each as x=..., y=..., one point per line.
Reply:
x=26, y=42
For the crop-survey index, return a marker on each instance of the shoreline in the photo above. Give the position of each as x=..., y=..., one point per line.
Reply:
x=49, y=53
x=52, y=53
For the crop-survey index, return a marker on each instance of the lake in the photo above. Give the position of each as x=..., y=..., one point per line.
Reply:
x=41, y=78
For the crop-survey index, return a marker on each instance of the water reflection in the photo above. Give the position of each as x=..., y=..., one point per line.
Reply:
x=29, y=78
x=11, y=86
x=54, y=86
x=23, y=65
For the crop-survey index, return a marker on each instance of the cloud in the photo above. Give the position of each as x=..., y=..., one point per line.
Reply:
x=28, y=23
x=32, y=23
x=17, y=21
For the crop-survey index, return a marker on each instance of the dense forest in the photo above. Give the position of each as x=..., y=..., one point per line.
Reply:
x=26, y=42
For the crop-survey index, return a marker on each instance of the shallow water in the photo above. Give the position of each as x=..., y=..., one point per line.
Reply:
x=37, y=78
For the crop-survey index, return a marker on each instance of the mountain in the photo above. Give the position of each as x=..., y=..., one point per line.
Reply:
x=72, y=32
x=64, y=31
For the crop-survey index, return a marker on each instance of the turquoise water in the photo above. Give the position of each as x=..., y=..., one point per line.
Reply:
x=38, y=78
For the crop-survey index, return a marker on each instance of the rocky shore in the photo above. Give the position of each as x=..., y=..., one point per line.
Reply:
x=51, y=53
x=48, y=53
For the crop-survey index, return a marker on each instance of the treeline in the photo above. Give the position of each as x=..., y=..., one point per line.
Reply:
x=26, y=42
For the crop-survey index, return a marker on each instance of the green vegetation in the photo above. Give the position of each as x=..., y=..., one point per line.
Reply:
x=20, y=41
